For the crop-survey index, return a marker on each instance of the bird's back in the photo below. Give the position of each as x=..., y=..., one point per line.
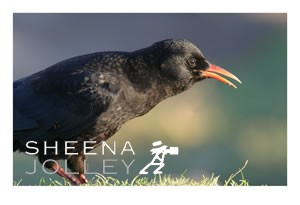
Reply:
x=65, y=99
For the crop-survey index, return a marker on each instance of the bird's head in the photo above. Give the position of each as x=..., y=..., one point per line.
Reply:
x=182, y=64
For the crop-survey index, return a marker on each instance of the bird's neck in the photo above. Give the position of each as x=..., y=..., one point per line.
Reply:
x=144, y=72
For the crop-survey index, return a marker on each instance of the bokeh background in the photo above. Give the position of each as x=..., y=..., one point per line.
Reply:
x=216, y=128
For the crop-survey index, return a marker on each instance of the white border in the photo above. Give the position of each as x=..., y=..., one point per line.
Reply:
x=159, y=195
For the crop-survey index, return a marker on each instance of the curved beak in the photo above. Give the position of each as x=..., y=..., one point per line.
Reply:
x=213, y=72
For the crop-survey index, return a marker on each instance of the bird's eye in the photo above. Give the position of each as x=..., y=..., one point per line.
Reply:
x=192, y=62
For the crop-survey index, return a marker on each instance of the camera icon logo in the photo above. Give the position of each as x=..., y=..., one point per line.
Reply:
x=159, y=151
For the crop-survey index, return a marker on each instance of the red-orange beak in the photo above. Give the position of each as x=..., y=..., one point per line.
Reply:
x=213, y=71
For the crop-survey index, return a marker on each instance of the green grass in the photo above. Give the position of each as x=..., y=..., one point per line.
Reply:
x=236, y=179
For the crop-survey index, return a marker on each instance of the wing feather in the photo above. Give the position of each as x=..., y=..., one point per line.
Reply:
x=56, y=103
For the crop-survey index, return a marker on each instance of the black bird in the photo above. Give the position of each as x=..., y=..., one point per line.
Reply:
x=89, y=97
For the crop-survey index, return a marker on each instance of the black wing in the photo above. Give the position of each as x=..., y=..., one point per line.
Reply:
x=57, y=103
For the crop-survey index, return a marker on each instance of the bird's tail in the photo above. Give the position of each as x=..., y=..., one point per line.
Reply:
x=16, y=145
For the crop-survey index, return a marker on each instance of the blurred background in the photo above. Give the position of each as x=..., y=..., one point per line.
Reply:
x=216, y=128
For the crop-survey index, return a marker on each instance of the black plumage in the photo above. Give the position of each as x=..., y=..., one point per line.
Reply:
x=90, y=97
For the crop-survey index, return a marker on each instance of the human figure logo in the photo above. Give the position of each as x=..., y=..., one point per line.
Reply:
x=159, y=151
